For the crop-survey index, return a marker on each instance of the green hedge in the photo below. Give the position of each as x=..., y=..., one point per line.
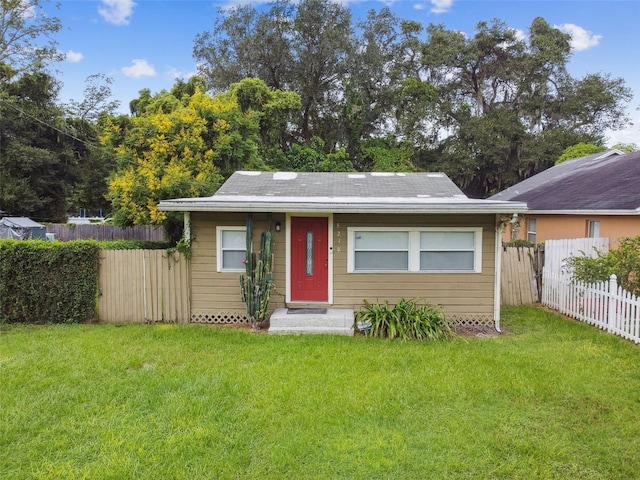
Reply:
x=43, y=282
x=134, y=245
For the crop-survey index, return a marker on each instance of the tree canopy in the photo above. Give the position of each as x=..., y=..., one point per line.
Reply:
x=489, y=110
x=296, y=85
x=26, y=34
x=184, y=147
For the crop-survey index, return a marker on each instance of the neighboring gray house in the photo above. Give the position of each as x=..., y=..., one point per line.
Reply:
x=21, y=228
x=593, y=196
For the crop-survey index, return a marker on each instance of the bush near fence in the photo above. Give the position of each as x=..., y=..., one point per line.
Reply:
x=67, y=232
x=42, y=282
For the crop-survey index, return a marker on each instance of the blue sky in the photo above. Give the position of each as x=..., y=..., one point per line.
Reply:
x=149, y=43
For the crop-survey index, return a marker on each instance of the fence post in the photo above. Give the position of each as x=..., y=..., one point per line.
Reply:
x=611, y=314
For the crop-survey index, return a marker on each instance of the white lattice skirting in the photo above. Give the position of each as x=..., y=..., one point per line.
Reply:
x=240, y=317
x=472, y=320
x=221, y=317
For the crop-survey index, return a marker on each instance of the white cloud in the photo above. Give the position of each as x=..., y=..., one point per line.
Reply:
x=629, y=134
x=174, y=74
x=73, y=57
x=520, y=35
x=26, y=10
x=418, y=6
x=138, y=69
x=441, y=6
x=581, y=39
x=117, y=11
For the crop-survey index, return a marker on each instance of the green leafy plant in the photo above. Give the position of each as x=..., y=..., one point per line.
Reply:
x=134, y=245
x=520, y=243
x=407, y=320
x=256, y=283
x=624, y=262
x=43, y=282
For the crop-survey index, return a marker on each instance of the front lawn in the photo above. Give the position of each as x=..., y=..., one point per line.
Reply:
x=549, y=399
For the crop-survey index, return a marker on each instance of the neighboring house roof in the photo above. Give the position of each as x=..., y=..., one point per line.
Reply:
x=601, y=183
x=340, y=193
x=20, y=228
x=20, y=222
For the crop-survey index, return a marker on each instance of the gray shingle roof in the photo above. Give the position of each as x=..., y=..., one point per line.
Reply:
x=596, y=182
x=360, y=185
x=340, y=192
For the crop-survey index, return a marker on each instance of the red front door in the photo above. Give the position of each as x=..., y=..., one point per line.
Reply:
x=309, y=259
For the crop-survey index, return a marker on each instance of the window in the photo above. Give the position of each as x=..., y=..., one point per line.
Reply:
x=443, y=250
x=593, y=228
x=232, y=248
x=381, y=250
x=414, y=249
x=531, y=230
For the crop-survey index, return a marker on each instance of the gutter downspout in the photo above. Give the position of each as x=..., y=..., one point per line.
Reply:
x=497, y=294
x=187, y=228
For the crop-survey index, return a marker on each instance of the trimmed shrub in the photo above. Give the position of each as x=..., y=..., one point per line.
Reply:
x=407, y=320
x=133, y=245
x=43, y=282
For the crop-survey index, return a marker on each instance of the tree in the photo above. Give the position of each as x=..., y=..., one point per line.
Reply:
x=579, y=150
x=26, y=34
x=38, y=161
x=185, y=147
x=303, y=48
x=509, y=108
x=489, y=110
x=96, y=101
x=310, y=158
x=626, y=147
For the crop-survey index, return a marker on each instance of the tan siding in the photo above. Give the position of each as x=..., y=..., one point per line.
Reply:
x=213, y=291
x=460, y=294
x=557, y=227
x=463, y=295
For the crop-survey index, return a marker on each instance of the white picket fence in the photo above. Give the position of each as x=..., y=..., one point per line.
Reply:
x=603, y=304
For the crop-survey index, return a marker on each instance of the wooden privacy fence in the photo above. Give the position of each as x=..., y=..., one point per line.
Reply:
x=143, y=286
x=603, y=304
x=518, y=283
x=65, y=233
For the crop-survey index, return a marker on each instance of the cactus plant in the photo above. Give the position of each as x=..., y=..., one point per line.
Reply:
x=256, y=283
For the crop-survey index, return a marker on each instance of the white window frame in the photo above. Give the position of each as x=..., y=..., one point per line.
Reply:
x=220, y=249
x=532, y=232
x=593, y=228
x=414, y=248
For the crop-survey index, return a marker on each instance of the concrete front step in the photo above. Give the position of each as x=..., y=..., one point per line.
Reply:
x=335, y=321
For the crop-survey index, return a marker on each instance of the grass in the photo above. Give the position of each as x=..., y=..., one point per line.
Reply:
x=549, y=399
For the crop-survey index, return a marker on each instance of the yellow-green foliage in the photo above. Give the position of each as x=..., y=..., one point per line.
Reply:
x=176, y=149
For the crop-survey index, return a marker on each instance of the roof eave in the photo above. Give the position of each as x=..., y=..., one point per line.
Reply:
x=631, y=211
x=393, y=208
